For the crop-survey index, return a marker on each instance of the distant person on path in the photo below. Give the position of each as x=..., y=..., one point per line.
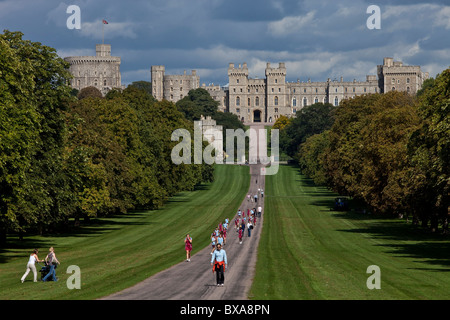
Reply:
x=31, y=266
x=220, y=239
x=259, y=211
x=249, y=227
x=256, y=198
x=262, y=193
x=51, y=261
x=188, y=247
x=225, y=229
x=213, y=242
x=219, y=263
x=240, y=235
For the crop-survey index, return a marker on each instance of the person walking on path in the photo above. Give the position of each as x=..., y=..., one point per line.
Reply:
x=220, y=239
x=249, y=227
x=259, y=211
x=241, y=232
x=188, y=247
x=213, y=242
x=52, y=262
x=219, y=263
x=31, y=266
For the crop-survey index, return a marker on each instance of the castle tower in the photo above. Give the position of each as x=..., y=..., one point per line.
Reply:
x=101, y=71
x=157, y=73
x=238, y=90
x=277, y=96
x=394, y=76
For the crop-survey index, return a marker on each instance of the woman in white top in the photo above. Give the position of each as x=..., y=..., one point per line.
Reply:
x=31, y=265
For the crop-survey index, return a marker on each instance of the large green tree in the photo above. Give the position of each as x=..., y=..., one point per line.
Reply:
x=34, y=91
x=367, y=154
x=428, y=148
x=310, y=120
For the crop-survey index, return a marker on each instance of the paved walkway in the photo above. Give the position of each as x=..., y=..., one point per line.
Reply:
x=195, y=280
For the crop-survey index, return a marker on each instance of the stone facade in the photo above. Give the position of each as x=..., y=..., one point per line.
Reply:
x=101, y=71
x=393, y=75
x=172, y=87
x=212, y=133
x=265, y=100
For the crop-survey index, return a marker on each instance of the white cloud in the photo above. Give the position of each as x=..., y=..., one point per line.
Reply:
x=111, y=30
x=443, y=18
x=289, y=25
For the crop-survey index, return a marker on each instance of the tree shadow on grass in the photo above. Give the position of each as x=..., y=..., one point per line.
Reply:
x=95, y=227
x=404, y=240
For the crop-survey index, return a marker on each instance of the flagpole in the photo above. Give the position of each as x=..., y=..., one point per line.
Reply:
x=103, y=33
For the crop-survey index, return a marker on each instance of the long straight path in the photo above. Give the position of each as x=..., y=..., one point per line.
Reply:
x=195, y=280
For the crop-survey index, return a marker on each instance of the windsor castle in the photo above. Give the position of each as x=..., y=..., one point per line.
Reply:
x=251, y=99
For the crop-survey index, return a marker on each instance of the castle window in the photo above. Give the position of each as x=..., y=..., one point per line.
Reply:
x=398, y=81
x=237, y=81
x=257, y=101
x=279, y=89
x=393, y=88
x=276, y=101
x=305, y=101
x=249, y=102
x=304, y=90
x=365, y=90
x=171, y=97
x=408, y=90
x=238, y=110
x=316, y=100
x=272, y=89
x=104, y=82
x=353, y=89
x=276, y=80
x=79, y=82
x=316, y=90
x=256, y=90
x=181, y=81
x=294, y=102
x=238, y=101
x=408, y=80
x=393, y=81
x=294, y=110
x=181, y=89
x=336, y=101
x=276, y=110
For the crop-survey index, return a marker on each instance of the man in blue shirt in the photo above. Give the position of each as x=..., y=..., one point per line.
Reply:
x=219, y=263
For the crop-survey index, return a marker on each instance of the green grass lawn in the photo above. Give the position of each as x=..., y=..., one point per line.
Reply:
x=114, y=253
x=309, y=252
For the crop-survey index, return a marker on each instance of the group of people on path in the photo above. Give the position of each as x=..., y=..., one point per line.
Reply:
x=242, y=220
x=50, y=262
x=246, y=220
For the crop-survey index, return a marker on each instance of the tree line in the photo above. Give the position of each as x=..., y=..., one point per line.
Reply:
x=389, y=151
x=66, y=155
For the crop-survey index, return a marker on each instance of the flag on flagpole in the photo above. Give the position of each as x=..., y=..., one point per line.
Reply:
x=105, y=22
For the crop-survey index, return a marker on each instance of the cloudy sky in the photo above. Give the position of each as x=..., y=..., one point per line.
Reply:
x=317, y=39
